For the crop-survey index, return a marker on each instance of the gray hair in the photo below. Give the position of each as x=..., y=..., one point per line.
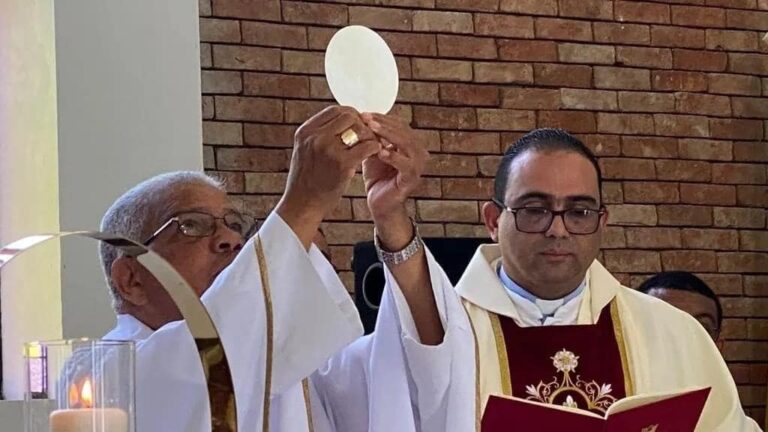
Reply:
x=134, y=215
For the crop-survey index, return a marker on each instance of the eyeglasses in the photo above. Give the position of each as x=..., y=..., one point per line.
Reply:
x=200, y=224
x=534, y=220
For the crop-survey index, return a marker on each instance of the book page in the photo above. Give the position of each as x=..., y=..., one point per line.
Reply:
x=632, y=402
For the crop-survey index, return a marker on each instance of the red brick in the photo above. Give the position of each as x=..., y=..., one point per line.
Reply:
x=530, y=98
x=648, y=147
x=738, y=217
x=743, y=262
x=466, y=47
x=622, y=33
x=679, y=37
x=404, y=67
x=751, y=20
x=563, y=75
x=477, y=188
x=646, y=102
x=625, y=123
x=444, y=22
x=563, y=29
x=470, y=5
x=264, y=183
x=731, y=173
x=251, y=159
x=222, y=133
x=527, y=50
x=504, y=26
x=572, y=121
x=264, y=135
x=754, y=240
x=703, y=104
x=679, y=81
x=289, y=86
x=600, y=100
x=319, y=37
x=443, y=117
x=682, y=170
x=505, y=73
x=299, y=111
x=463, y=230
x=650, y=192
x=278, y=35
x=756, y=285
x=595, y=9
x=681, y=125
x=627, y=169
x=470, y=142
x=750, y=151
x=445, y=165
x=249, y=109
x=613, y=238
x=732, y=40
x=583, y=53
x=752, y=196
x=612, y=193
x=742, y=4
x=745, y=351
x=752, y=64
x=206, y=56
x=414, y=44
x=653, y=238
x=698, y=16
x=734, y=84
x=315, y=13
x=505, y=119
x=692, y=261
x=246, y=57
x=632, y=214
x=602, y=145
x=207, y=107
x=657, y=58
x=684, y=215
x=734, y=329
x=267, y=10
x=258, y=206
x=706, y=149
x=532, y=7
x=488, y=165
x=707, y=194
x=469, y=94
x=632, y=261
x=221, y=82
x=303, y=62
x=436, y=69
x=622, y=78
x=219, y=30
x=347, y=233
x=699, y=60
x=641, y=12
x=694, y=238
x=750, y=107
x=204, y=7
x=736, y=129
x=381, y=17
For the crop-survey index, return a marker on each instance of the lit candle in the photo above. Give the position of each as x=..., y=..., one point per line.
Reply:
x=87, y=418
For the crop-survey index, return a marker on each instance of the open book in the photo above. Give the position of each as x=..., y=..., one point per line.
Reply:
x=661, y=412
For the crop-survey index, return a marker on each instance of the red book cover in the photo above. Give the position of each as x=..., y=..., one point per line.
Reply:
x=667, y=412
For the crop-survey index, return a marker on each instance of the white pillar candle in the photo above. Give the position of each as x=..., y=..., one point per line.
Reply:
x=89, y=420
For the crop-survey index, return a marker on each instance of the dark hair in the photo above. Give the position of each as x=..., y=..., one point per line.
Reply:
x=683, y=281
x=545, y=139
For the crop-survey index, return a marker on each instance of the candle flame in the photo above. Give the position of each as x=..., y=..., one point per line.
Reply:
x=82, y=398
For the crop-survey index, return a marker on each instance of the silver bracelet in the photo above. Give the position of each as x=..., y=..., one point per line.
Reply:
x=401, y=256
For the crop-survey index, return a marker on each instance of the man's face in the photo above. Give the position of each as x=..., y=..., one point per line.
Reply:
x=703, y=308
x=552, y=263
x=198, y=259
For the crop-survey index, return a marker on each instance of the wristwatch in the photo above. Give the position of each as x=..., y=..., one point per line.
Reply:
x=401, y=256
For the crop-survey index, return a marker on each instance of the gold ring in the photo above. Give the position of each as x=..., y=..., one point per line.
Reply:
x=349, y=137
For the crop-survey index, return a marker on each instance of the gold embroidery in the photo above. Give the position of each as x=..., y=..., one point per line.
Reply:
x=478, y=414
x=621, y=343
x=597, y=397
x=501, y=351
x=650, y=428
x=308, y=404
x=269, y=322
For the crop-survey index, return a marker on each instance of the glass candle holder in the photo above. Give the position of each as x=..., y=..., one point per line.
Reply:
x=85, y=386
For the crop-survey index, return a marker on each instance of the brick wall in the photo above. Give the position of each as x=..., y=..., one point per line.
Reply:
x=669, y=94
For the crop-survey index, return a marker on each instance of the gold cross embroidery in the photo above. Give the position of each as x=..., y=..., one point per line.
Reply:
x=650, y=428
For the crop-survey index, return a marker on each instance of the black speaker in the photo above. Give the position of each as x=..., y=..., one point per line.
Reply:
x=453, y=254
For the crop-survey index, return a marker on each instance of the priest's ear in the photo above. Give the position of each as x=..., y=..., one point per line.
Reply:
x=128, y=279
x=491, y=214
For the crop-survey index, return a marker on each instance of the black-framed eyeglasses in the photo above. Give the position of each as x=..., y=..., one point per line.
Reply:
x=535, y=220
x=201, y=224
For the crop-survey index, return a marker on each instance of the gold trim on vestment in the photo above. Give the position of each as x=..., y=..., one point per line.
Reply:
x=478, y=414
x=618, y=331
x=501, y=351
x=269, y=322
x=308, y=404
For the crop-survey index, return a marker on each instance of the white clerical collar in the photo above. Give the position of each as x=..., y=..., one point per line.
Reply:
x=548, y=308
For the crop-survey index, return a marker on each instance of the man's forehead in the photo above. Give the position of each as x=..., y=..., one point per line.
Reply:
x=682, y=296
x=198, y=197
x=556, y=175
